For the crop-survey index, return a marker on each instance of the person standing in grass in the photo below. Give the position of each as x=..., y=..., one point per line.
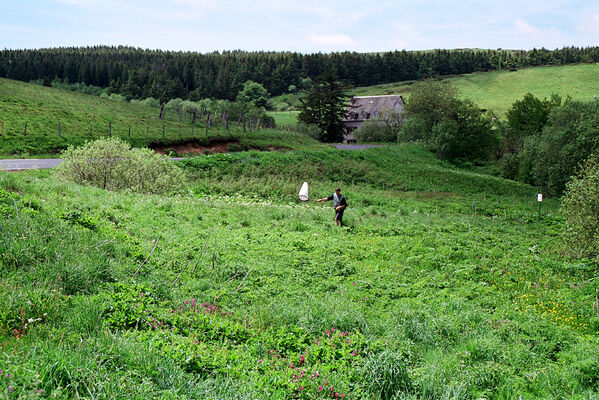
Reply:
x=339, y=204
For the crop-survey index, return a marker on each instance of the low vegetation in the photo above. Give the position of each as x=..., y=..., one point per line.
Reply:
x=498, y=90
x=443, y=284
x=112, y=164
x=39, y=120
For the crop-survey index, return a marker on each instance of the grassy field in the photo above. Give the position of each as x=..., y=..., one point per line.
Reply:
x=498, y=90
x=84, y=117
x=442, y=285
x=285, y=118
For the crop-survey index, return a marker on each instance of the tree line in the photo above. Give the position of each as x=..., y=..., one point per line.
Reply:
x=138, y=74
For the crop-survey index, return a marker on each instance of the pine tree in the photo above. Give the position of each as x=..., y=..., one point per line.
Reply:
x=324, y=105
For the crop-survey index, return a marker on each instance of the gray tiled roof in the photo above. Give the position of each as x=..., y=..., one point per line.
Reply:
x=373, y=104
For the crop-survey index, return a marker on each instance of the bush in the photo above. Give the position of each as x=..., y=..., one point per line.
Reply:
x=581, y=211
x=311, y=130
x=414, y=129
x=112, y=164
x=568, y=139
x=376, y=131
x=282, y=106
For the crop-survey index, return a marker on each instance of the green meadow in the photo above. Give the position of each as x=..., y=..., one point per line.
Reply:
x=498, y=90
x=31, y=115
x=443, y=284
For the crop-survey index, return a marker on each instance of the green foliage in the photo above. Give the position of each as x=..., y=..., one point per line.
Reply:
x=130, y=306
x=324, y=105
x=79, y=218
x=414, y=129
x=527, y=117
x=443, y=285
x=376, y=131
x=580, y=208
x=454, y=128
x=384, y=128
x=7, y=201
x=386, y=375
x=569, y=138
x=253, y=93
x=431, y=101
x=149, y=102
x=113, y=165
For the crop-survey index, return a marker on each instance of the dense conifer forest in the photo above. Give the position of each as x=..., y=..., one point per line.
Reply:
x=138, y=74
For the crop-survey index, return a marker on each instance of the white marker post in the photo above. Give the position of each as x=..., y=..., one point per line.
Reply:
x=540, y=200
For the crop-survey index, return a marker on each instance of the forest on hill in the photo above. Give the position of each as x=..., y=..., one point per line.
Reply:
x=139, y=74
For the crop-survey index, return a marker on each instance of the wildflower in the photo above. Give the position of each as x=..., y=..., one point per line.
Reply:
x=11, y=389
x=300, y=388
x=320, y=388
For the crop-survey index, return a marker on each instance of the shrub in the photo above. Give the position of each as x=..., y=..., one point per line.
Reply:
x=568, y=139
x=376, y=131
x=311, y=130
x=112, y=164
x=282, y=106
x=580, y=208
x=414, y=129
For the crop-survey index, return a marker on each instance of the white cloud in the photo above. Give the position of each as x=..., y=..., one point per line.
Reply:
x=590, y=25
x=335, y=39
x=524, y=28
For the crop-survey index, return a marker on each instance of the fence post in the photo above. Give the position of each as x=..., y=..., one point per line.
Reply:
x=25, y=131
x=129, y=131
x=110, y=128
x=163, y=130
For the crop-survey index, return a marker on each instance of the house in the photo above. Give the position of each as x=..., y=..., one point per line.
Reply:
x=362, y=108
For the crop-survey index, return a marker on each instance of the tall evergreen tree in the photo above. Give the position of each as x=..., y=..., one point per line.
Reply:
x=324, y=105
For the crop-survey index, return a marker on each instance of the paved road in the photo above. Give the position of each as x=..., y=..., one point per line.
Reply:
x=16, y=165
x=356, y=146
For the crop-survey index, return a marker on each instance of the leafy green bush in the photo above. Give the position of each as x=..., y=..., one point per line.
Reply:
x=567, y=140
x=413, y=130
x=376, y=131
x=112, y=164
x=580, y=208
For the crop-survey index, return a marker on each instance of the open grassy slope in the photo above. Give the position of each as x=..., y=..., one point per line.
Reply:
x=498, y=90
x=442, y=285
x=84, y=117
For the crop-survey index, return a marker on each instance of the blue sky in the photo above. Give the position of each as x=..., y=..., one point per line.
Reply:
x=305, y=26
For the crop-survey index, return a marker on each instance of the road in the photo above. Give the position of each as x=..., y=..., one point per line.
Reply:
x=17, y=165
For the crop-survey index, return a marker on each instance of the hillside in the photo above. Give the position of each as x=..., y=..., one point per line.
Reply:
x=31, y=115
x=442, y=285
x=498, y=90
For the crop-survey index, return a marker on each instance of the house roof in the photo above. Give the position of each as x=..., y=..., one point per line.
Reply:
x=374, y=104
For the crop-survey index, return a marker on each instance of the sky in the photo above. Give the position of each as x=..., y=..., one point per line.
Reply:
x=305, y=26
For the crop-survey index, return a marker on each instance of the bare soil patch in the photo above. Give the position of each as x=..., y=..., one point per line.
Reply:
x=215, y=146
x=193, y=148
